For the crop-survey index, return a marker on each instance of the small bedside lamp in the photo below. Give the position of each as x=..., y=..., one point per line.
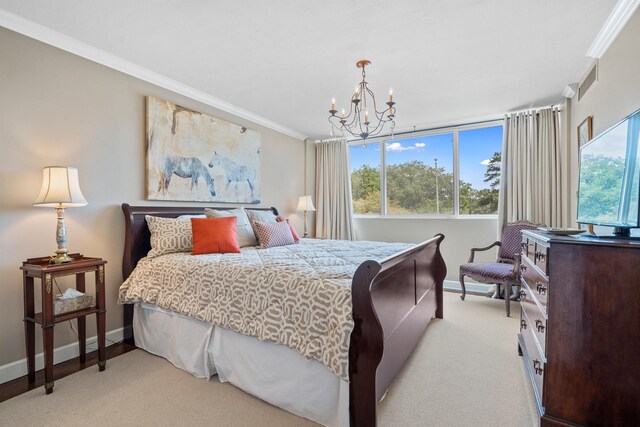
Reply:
x=305, y=204
x=60, y=189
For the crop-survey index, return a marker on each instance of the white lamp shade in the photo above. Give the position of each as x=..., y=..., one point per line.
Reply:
x=305, y=204
x=60, y=186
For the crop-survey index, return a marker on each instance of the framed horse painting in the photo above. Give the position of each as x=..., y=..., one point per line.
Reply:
x=192, y=156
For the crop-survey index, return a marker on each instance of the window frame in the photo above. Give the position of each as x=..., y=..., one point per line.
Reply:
x=455, y=130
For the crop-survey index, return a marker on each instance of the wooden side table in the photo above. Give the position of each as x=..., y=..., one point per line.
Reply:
x=39, y=268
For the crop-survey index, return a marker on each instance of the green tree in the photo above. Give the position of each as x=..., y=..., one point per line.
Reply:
x=492, y=174
x=364, y=181
x=485, y=201
x=411, y=189
x=600, y=185
x=365, y=189
x=370, y=204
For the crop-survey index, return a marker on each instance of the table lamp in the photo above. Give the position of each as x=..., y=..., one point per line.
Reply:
x=60, y=189
x=305, y=204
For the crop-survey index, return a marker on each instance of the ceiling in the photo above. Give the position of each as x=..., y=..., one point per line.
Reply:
x=447, y=61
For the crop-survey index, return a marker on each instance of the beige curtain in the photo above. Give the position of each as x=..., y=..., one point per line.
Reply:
x=333, y=191
x=531, y=186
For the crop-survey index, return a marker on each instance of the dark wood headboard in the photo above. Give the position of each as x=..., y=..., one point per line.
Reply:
x=137, y=241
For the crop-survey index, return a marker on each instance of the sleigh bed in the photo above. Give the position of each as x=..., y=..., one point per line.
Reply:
x=393, y=300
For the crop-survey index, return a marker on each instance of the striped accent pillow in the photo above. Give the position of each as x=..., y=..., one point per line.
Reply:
x=294, y=233
x=272, y=234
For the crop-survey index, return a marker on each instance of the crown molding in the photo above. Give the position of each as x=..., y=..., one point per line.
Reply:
x=51, y=37
x=622, y=11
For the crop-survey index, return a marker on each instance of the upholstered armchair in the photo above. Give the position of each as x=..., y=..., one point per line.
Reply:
x=506, y=270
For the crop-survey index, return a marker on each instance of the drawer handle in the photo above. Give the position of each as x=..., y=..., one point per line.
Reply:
x=523, y=324
x=537, y=367
x=541, y=289
x=523, y=295
x=539, y=325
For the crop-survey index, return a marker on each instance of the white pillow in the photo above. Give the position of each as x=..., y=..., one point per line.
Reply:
x=246, y=236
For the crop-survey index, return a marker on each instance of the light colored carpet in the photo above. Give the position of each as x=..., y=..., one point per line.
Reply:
x=465, y=372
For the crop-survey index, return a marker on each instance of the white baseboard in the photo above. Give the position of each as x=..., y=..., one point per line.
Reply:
x=472, y=287
x=17, y=369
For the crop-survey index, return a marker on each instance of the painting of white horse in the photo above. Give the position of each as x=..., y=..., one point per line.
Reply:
x=192, y=156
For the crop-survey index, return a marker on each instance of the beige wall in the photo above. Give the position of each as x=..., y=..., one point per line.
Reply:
x=59, y=109
x=460, y=236
x=614, y=96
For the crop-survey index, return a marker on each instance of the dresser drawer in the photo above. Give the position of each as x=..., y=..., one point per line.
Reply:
x=528, y=247
x=535, y=318
x=534, y=360
x=540, y=258
x=537, y=283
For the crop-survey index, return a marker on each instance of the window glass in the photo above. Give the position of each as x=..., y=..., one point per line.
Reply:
x=420, y=175
x=479, y=152
x=365, y=178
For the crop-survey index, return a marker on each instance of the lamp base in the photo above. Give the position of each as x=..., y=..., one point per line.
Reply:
x=60, y=258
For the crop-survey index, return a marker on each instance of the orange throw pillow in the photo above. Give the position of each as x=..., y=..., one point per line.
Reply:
x=214, y=235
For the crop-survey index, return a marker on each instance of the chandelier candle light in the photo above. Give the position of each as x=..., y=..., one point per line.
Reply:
x=60, y=189
x=363, y=102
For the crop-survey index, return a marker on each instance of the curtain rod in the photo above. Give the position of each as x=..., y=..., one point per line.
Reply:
x=408, y=132
x=535, y=109
x=340, y=138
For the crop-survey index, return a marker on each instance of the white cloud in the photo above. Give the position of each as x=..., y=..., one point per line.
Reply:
x=485, y=162
x=396, y=146
x=420, y=144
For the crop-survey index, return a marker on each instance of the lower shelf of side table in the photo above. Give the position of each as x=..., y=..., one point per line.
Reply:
x=38, y=318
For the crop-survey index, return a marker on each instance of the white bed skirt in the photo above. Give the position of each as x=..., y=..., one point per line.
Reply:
x=269, y=371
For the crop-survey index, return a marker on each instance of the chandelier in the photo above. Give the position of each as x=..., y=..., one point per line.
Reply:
x=364, y=119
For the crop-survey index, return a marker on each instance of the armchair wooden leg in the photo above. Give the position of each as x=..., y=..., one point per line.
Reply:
x=507, y=299
x=464, y=290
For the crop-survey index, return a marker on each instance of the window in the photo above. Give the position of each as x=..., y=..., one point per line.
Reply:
x=455, y=171
x=480, y=154
x=420, y=175
x=365, y=178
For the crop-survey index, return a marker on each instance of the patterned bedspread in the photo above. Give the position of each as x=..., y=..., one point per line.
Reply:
x=296, y=295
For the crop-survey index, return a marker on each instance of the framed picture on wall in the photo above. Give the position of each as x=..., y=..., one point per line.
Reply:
x=585, y=131
x=192, y=156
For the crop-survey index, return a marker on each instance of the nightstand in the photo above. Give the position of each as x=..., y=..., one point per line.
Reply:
x=39, y=268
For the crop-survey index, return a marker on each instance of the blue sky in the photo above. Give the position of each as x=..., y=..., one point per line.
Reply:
x=475, y=145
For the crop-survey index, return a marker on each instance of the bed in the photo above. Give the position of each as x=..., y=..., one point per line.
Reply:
x=393, y=300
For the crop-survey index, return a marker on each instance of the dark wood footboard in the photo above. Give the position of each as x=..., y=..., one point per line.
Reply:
x=393, y=302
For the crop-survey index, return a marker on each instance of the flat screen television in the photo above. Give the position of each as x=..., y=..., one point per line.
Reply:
x=609, y=184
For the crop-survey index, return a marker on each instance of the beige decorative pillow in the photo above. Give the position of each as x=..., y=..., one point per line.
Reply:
x=169, y=235
x=260, y=216
x=246, y=236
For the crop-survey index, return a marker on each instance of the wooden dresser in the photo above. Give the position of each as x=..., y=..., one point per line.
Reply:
x=580, y=328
